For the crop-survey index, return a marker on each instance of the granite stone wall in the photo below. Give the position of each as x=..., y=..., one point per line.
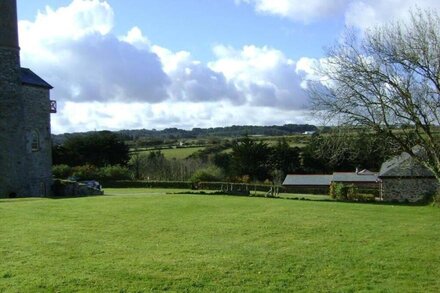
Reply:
x=37, y=123
x=407, y=189
x=12, y=138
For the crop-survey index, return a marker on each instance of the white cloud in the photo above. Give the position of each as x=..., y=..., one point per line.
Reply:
x=103, y=81
x=187, y=115
x=74, y=49
x=365, y=14
x=299, y=10
x=265, y=76
x=359, y=13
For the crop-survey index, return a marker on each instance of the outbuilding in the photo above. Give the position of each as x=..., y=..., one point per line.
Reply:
x=405, y=179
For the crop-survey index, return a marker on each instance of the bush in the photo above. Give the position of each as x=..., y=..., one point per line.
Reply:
x=62, y=171
x=342, y=192
x=210, y=174
x=116, y=172
x=170, y=184
x=86, y=172
x=338, y=191
x=365, y=197
x=352, y=192
x=436, y=198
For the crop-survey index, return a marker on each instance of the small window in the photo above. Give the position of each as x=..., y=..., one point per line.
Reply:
x=35, y=142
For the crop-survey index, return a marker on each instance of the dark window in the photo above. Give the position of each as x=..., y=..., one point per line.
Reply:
x=35, y=143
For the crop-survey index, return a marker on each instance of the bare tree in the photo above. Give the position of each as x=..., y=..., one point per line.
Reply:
x=388, y=80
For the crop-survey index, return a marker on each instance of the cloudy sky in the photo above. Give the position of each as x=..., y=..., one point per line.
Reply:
x=186, y=63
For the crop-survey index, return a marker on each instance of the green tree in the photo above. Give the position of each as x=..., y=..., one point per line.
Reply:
x=98, y=149
x=285, y=158
x=250, y=158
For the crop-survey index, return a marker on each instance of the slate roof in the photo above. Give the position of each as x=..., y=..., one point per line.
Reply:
x=366, y=172
x=404, y=166
x=30, y=78
x=326, y=180
x=355, y=177
x=306, y=180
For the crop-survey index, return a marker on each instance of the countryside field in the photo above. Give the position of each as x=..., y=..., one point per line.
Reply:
x=177, y=153
x=140, y=240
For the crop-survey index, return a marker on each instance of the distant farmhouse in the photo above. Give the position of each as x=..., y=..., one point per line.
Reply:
x=400, y=179
x=25, y=107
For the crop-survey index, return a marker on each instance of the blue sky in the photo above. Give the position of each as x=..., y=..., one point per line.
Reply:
x=186, y=63
x=198, y=25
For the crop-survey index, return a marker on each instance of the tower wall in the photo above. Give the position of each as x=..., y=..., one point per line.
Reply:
x=37, y=122
x=13, y=173
x=8, y=24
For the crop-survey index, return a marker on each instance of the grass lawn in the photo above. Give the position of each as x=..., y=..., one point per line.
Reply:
x=139, y=240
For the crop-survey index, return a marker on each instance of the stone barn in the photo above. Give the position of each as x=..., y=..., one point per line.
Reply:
x=405, y=179
x=25, y=107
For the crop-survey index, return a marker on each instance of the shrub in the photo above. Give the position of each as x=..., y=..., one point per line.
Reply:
x=62, y=171
x=342, y=192
x=170, y=184
x=338, y=191
x=210, y=174
x=352, y=192
x=436, y=198
x=86, y=172
x=116, y=172
x=365, y=197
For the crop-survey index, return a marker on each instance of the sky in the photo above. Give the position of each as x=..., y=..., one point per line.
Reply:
x=157, y=64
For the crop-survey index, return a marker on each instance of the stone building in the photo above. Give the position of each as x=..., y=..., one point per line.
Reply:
x=25, y=107
x=405, y=179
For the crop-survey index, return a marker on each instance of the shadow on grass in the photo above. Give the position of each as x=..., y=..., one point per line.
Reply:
x=18, y=199
x=305, y=198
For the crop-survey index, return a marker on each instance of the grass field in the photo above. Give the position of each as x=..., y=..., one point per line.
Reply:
x=178, y=153
x=138, y=240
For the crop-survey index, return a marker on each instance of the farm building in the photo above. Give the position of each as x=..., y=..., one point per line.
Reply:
x=318, y=184
x=321, y=183
x=362, y=179
x=405, y=179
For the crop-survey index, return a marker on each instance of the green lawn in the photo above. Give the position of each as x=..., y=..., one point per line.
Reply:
x=139, y=240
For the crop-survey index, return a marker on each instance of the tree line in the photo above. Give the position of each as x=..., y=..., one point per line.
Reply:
x=176, y=133
x=241, y=160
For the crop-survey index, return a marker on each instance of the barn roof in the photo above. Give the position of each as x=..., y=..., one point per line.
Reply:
x=354, y=177
x=28, y=77
x=314, y=180
x=404, y=166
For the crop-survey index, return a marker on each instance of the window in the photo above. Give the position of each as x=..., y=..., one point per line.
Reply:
x=35, y=141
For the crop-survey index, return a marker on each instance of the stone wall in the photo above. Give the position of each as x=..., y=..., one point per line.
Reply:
x=37, y=123
x=64, y=188
x=407, y=189
x=12, y=140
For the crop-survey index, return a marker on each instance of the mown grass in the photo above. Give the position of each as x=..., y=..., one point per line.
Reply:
x=137, y=240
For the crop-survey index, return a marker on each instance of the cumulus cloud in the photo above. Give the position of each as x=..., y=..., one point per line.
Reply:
x=74, y=49
x=364, y=14
x=194, y=81
x=298, y=10
x=358, y=13
x=106, y=81
x=187, y=115
x=265, y=76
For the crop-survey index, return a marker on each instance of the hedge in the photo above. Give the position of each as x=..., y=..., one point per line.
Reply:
x=147, y=184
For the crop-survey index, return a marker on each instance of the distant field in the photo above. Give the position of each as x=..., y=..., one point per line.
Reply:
x=178, y=153
x=141, y=240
